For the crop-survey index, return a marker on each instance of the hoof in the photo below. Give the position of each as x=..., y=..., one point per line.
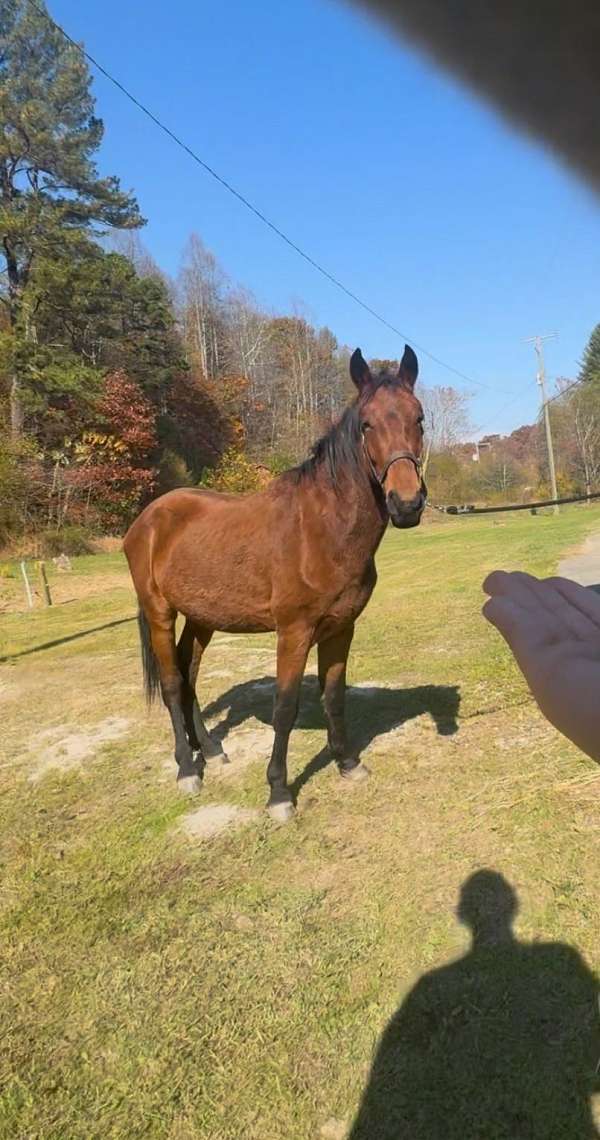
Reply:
x=281, y=813
x=189, y=785
x=215, y=763
x=356, y=775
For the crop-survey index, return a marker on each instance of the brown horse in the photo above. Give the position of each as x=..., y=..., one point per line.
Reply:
x=296, y=558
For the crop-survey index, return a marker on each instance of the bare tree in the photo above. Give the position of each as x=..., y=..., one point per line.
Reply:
x=280, y=378
x=202, y=284
x=446, y=417
x=498, y=473
x=130, y=245
x=576, y=419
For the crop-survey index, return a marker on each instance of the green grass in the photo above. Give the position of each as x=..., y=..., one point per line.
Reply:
x=238, y=987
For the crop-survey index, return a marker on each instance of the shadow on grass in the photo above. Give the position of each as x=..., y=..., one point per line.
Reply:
x=64, y=640
x=502, y=1044
x=371, y=711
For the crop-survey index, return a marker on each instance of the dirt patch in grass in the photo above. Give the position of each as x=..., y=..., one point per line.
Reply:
x=215, y=819
x=246, y=746
x=217, y=675
x=243, y=746
x=62, y=749
x=6, y=689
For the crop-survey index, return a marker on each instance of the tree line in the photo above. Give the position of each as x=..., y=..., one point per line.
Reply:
x=115, y=382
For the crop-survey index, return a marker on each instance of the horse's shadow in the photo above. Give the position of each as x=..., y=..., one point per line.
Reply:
x=371, y=711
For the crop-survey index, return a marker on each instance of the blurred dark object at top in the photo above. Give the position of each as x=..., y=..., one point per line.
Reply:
x=537, y=62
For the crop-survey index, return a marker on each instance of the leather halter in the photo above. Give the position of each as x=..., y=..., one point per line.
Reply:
x=394, y=457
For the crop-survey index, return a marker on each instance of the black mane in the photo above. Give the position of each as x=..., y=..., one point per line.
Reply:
x=339, y=449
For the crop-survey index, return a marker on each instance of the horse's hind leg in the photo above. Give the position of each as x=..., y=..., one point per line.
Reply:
x=162, y=632
x=192, y=643
x=333, y=656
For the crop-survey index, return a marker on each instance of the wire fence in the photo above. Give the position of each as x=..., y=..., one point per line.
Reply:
x=465, y=509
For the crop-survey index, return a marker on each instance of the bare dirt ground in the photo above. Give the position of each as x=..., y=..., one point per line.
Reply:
x=583, y=563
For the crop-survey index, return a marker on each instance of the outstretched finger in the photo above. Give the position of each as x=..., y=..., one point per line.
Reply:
x=582, y=598
x=506, y=615
x=541, y=602
x=514, y=584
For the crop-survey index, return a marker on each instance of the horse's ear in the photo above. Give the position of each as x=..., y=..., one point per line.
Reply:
x=359, y=370
x=409, y=368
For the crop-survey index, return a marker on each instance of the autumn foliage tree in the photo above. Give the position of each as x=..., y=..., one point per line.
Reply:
x=193, y=423
x=113, y=459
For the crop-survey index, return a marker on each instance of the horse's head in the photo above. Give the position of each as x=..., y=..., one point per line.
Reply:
x=391, y=422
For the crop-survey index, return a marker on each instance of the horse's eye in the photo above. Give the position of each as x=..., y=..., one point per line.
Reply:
x=365, y=426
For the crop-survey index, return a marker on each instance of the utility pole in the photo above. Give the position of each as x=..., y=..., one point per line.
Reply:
x=538, y=344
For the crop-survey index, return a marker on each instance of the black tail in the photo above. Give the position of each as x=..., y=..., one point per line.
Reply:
x=149, y=662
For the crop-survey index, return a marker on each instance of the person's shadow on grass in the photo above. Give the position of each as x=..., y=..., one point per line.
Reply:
x=503, y=1044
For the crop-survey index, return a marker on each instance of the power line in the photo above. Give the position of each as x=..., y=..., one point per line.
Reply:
x=563, y=392
x=249, y=205
x=504, y=407
x=501, y=410
x=558, y=395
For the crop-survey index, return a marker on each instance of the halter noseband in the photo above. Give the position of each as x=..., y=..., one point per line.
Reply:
x=394, y=457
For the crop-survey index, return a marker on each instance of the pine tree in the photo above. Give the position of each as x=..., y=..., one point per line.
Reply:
x=94, y=314
x=590, y=367
x=51, y=196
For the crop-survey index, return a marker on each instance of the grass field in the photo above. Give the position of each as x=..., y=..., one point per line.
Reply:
x=160, y=985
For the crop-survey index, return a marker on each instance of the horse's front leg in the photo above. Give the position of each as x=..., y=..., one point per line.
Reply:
x=333, y=657
x=292, y=650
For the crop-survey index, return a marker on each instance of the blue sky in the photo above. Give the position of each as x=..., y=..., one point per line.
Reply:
x=462, y=233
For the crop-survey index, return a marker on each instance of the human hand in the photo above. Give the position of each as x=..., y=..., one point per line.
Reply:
x=553, y=629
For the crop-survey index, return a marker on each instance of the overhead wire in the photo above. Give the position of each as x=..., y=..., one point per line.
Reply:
x=335, y=281
x=252, y=208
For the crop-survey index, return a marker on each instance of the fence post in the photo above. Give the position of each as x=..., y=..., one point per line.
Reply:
x=44, y=583
x=27, y=586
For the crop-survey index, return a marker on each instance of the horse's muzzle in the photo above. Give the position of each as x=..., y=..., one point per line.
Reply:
x=405, y=514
